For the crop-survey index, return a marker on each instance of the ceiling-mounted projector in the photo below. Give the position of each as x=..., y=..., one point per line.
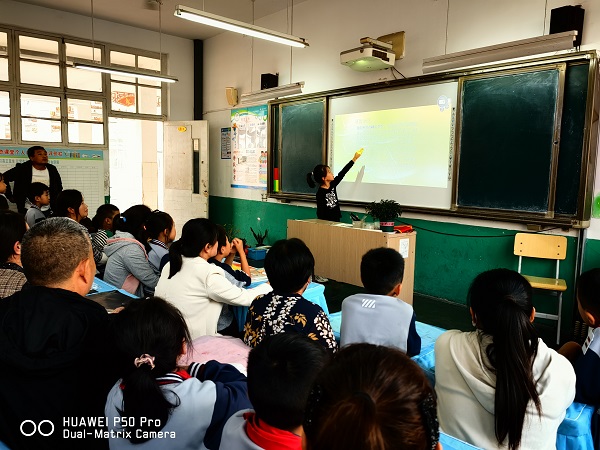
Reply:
x=373, y=55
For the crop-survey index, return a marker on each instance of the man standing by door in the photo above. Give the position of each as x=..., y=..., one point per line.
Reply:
x=37, y=169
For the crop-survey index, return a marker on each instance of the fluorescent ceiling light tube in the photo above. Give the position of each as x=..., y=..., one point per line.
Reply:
x=272, y=93
x=508, y=50
x=212, y=20
x=146, y=75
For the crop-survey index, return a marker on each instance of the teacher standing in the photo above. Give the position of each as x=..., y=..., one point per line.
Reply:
x=37, y=169
x=328, y=206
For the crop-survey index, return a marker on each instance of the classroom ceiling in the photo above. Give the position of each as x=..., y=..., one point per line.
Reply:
x=144, y=13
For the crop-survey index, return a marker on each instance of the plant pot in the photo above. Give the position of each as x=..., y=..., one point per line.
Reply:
x=386, y=226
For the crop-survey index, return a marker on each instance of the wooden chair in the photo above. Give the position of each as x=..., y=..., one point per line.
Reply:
x=544, y=246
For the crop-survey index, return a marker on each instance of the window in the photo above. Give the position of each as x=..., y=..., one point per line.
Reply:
x=84, y=80
x=135, y=95
x=85, y=121
x=38, y=61
x=3, y=56
x=4, y=115
x=40, y=118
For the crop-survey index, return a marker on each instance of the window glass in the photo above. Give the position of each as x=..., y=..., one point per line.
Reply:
x=85, y=133
x=122, y=59
x=4, y=103
x=84, y=80
x=4, y=127
x=149, y=100
x=80, y=109
x=38, y=49
x=76, y=51
x=40, y=74
x=3, y=69
x=40, y=106
x=3, y=42
x=40, y=130
x=123, y=97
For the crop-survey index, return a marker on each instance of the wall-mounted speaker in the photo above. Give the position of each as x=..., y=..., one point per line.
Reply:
x=269, y=80
x=232, y=96
x=567, y=18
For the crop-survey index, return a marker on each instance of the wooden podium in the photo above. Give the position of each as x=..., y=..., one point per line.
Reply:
x=338, y=249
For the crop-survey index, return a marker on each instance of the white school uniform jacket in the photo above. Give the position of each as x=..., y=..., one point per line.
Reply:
x=199, y=290
x=465, y=390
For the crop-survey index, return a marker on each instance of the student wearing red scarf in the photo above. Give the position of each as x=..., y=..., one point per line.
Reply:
x=281, y=369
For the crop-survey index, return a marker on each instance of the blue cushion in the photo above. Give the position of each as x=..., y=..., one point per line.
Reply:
x=575, y=431
x=451, y=443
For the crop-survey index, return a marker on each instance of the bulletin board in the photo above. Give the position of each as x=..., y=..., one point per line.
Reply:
x=79, y=169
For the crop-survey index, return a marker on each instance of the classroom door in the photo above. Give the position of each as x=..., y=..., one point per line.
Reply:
x=184, y=171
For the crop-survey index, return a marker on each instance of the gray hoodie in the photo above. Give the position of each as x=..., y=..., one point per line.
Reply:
x=126, y=257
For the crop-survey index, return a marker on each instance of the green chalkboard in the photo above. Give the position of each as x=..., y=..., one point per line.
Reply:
x=300, y=137
x=507, y=127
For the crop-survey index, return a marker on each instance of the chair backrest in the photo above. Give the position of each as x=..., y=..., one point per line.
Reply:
x=545, y=246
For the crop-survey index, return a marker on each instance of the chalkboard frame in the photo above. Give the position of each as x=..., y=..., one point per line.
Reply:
x=580, y=219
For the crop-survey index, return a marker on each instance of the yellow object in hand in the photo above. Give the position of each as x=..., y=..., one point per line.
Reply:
x=360, y=152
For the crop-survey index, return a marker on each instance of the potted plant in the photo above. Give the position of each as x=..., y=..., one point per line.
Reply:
x=386, y=211
x=259, y=235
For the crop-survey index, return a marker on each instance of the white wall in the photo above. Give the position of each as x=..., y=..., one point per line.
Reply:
x=180, y=51
x=336, y=25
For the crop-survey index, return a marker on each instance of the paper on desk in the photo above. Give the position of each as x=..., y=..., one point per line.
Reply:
x=257, y=274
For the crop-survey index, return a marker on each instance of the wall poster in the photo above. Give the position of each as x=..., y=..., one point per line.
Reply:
x=249, y=147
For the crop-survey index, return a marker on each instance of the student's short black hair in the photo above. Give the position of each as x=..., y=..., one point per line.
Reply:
x=12, y=229
x=281, y=370
x=381, y=269
x=289, y=264
x=103, y=212
x=588, y=292
x=222, y=236
x=36, y=190
x=31, y=150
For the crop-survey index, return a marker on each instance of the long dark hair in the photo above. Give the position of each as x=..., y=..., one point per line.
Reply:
x=69, y=198
x=501, y=302
x=156, y=328
x=316, y=176
x=373, y=398
x=133, y=221
x=12, y=230
x=195, y=235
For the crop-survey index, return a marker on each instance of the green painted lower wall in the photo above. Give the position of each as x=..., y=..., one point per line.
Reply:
x=448, y=255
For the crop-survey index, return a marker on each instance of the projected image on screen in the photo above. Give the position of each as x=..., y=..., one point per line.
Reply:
x=408, y=138
x=407, y=146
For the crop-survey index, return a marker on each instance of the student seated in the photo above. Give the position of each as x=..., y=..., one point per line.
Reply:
x=55, y=347
x=500, y=386
x=39, y=196
x=281, y=370
x=199, y=289
x=12, y=229
x=380, y=317
x=226, y=250
x=103, y=220
x=127, y=266
x=160, y=231
x=70, y=203
x=167, y=406
x=289, y=266
x=587, y=358
x=371, y=397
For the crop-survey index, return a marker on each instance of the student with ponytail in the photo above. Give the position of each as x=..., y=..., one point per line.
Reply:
x=328, y=207
x=371, y=398
x=199, y=289
x=500, y=386
x=158, y=404
x=161, y=231
x=128, y=266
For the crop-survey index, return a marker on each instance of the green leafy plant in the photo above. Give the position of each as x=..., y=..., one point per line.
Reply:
x=259, y=235
x=384, y=210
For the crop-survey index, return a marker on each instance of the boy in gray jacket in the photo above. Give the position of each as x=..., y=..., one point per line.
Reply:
x=379, y=317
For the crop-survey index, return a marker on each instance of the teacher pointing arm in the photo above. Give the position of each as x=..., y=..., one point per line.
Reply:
x=328, y=207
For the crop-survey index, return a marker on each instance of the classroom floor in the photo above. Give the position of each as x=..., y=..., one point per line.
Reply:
x=430, y=310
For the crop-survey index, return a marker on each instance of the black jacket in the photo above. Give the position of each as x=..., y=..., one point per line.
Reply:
x=328, y=207
x=55, y=361
x=21, y=175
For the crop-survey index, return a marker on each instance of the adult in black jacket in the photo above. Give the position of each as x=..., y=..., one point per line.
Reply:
x=55, y=345
x=22, y=175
